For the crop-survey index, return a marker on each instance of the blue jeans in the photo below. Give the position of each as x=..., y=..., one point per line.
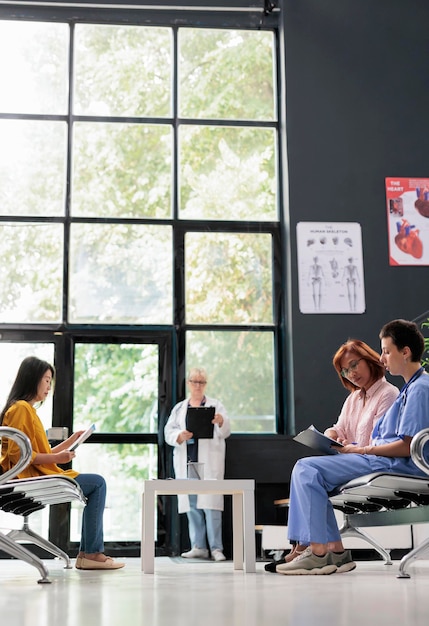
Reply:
x=204, y=525
x=94, y=489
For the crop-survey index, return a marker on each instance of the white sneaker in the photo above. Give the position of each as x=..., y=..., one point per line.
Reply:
x=218, y=555
x=196, y=553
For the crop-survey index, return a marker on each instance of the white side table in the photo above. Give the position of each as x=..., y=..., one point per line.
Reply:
x=243, y=515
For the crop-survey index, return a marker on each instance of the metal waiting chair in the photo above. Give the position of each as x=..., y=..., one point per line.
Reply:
x=24, y=496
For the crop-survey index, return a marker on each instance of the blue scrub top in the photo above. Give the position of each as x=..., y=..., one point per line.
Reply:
x=406, y=417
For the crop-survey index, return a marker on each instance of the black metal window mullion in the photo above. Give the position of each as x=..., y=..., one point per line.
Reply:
x=66, y=268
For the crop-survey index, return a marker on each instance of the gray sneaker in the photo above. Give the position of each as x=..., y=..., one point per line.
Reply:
x=344, y=561
x=308, y=563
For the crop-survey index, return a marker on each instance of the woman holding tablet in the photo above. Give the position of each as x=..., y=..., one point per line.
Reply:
x=32, y=386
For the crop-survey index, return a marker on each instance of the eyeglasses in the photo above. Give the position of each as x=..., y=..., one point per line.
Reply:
x=198, y=382
x=351, y=368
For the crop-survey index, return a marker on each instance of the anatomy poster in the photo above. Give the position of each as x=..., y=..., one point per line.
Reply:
x=330, y=267
x=408, y=220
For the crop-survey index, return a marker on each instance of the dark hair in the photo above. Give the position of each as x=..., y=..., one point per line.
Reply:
x=30, y=373
x=363, y=351
x=405, y=334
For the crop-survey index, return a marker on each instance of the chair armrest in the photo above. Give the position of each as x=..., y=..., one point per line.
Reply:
x=25, y=449
x=417, y=450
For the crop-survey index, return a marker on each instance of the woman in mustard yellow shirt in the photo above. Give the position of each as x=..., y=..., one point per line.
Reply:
x=32, y=386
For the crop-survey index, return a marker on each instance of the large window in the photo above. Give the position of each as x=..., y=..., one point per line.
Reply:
x=141, y=224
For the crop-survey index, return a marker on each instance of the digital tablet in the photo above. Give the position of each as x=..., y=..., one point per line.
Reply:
x=199, y=421
x=83, y=437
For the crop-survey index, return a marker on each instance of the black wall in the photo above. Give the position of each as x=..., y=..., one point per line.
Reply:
x=357, y=98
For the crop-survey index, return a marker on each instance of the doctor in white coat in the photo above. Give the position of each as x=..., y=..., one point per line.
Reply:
x=204, y=511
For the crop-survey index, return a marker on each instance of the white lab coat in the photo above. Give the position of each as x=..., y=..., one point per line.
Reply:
x=211, y=452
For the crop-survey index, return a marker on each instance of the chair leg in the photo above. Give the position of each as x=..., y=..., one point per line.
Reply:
x=26, y=534
x=21, y=553
x=414, y=554
x=347, y=530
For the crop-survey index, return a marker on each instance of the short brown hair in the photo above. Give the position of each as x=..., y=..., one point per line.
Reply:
x=405, y=334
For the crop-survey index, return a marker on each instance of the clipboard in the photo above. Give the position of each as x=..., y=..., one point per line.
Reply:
x=313, y=438
x=198, y=421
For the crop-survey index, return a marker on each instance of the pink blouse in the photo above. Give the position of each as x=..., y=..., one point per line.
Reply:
x=361, y=410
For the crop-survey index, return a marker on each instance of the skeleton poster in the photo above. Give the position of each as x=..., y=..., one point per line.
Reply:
x=407, y=202
x=330, y=267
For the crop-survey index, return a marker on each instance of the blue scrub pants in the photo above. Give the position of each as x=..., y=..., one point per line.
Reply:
x=204, y=525
x=311, y=515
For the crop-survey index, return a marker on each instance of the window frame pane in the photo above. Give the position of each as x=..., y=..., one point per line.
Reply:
x=213, y=62
x=33, y=74
x=32, y=167
x=31, y=286
x=112, y=384
x=116, y=268
x=236, y=270
x=250, y=367
x=65, y=331
x=228, y=173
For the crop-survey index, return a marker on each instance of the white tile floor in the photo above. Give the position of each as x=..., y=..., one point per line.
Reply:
x=212, y=594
